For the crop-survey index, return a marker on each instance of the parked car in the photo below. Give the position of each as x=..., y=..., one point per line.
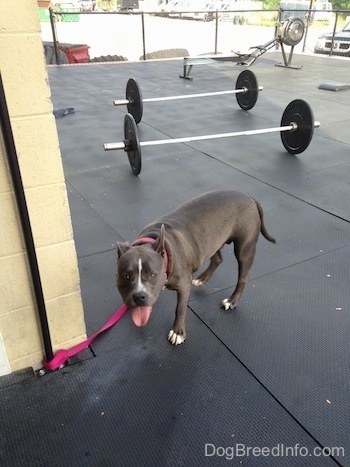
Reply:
x=295, y=9
x=87, y=5
x=127, y=5
x=69, y=7
x=207, y=13
x=66, y=6
x=321, y=10
x=204, y=12
x=226, y=14
x=341, y=45
x=189, y=9
x=236, y=11
x=172, y=8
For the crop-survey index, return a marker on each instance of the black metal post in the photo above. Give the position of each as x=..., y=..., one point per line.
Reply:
x=54, y=35
x=25, y=221
x=143, y=35
x=216, y=32
x=308, y=22
x=334, y=33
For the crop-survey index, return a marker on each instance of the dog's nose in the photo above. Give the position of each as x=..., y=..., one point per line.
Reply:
x=139, y=298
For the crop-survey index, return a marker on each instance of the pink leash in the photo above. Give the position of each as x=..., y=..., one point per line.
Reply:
x=62, y=355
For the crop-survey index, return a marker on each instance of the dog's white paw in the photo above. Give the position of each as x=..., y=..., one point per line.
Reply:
x=174, y=338
x=197, y=282
x=226, y=304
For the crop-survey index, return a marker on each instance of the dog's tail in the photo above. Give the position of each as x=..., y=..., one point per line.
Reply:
x=263, y=230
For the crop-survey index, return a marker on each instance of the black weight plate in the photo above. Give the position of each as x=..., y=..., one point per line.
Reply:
x=299, y=112
x=132, y=143
x=134, y=95
x=247, y=100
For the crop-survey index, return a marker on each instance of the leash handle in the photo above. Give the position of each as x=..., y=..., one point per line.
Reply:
x=62, y=356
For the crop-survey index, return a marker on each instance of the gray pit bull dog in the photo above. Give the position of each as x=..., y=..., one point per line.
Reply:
x=168, y=251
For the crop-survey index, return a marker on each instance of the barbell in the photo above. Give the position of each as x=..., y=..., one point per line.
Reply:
x=246, y=94
x=296, y=130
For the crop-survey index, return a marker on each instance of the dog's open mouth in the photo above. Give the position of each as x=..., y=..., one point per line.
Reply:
x=140, y=315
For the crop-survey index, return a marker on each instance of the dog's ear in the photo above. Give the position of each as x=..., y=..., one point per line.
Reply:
x=159, y=244
x=122, y=248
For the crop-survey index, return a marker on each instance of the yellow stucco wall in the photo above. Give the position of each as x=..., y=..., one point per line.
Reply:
x=27, y=91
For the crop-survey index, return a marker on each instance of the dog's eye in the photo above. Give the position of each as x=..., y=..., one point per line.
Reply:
x=152, y=275
x=127, y=276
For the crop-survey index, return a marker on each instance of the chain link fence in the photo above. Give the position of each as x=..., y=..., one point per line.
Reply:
x=78, y=37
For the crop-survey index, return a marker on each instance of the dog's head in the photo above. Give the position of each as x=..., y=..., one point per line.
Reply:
x=141, y=275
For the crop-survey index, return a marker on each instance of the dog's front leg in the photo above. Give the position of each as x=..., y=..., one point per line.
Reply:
x=177, y=334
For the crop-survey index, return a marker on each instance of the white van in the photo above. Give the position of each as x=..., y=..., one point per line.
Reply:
x=325, y=10
x=198, y=10
x=190, y=9
x=301, y=9
x=234, y=10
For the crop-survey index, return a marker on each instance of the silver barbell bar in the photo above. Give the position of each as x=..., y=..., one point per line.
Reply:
x=246, y=91
x=121, y=145
x=186, y=96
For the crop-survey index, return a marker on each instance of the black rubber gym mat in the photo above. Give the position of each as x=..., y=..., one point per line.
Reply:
x=152, y=404
x=294, y=339
x=93, y=233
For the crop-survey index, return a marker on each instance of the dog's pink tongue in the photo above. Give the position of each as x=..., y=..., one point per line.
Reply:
x=140, y=315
